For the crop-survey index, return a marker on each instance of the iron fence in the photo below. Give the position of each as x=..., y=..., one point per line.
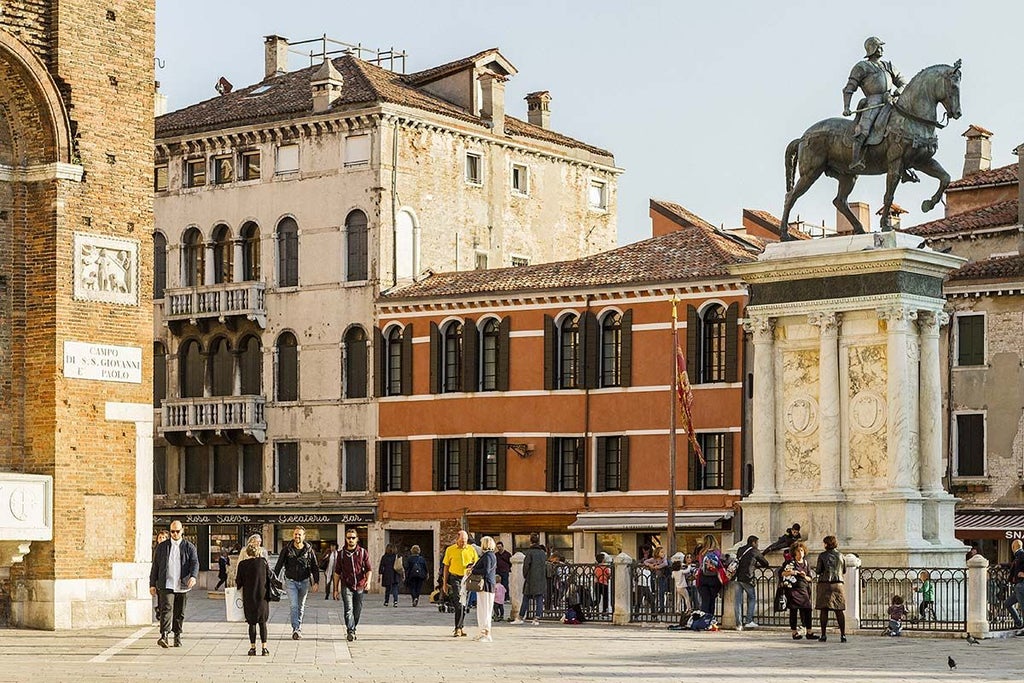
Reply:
x=655, y=599
x=945, y=611
x=766, y=582
x=589, y=588
x=998, y=591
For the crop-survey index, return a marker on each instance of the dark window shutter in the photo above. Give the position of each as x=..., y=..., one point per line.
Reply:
x=971, y=342
x=590, y=331
x=692, y=343
x=581, y=470
x=502, y=463
x=406, y=360
x=379, y=361
x=470, y=362
x=438, y=465
x=691, y=467
x=504, y=348
x=626, y=350
x=602, y=463
x=623, y=463
x=435, y=357
x=466, y=455
x=550, y=343
x=381, y=481
x=551, y=471
x=727, y=460
x=406, y=451
x=732, y=342
x=970, y=431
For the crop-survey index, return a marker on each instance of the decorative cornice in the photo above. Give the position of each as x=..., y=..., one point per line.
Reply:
x=858, y=303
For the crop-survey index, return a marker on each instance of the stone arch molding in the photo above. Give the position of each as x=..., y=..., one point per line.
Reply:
x=19, y=63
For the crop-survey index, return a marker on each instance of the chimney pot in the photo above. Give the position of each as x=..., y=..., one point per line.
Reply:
x=538, y=109
x=275, y=60
x=863, y=213
x=978, y=156
x=326, y=85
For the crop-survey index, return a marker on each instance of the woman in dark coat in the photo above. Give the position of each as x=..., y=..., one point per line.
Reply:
x=251, y=579
x=830, y=596
x=390, y=578
x=416, y=571
x=796, y=577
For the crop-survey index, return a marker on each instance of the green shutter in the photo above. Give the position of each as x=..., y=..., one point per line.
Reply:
x=435, y=357
x=728, y=440
x=438, y=465
x=406, y=451
x=602, y=463
x=626, y=350
x=550, y=472
x=692, y=344
x=406, y=360
x=971, y=331
x=550, y=344
x=502, y=463
x=732, y=342
x=504, y=348
x=590, y=346
x=623, y=463
x=379, y=362
x=470, y=367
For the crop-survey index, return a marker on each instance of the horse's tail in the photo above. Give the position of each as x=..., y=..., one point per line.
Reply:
x=792, y=150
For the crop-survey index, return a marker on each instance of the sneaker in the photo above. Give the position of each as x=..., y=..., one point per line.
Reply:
x=536, y=622
x=252, y=651
x=1020, y=632
x=162, y=642
x=750, y=624
x=517, y=621
x=350, y=637
x=296, y=635
x=177, y=641
x=739, y=627
x=396, y=603
x=265, y=653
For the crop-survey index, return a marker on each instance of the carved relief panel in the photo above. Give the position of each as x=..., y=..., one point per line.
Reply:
x=106, y=269
x=799, y=413
x=866, y=411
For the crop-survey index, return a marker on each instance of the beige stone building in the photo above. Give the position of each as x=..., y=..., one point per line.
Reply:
x=983, y=428
x=282, y=210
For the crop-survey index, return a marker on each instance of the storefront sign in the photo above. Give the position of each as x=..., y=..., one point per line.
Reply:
x=103, y=362
x=1014, y=534
x=296, y=518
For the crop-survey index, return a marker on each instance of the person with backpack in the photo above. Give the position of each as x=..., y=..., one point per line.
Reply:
x=748, y=557
x=415, y=573
x=302, y=572
x=390, y=569
x=711, y=576
x=829, y=595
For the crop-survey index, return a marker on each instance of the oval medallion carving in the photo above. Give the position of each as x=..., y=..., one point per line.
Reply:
x=867, y=412
x=802, y=415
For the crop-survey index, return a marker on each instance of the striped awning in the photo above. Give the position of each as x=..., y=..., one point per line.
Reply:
x=647, y=521
x=990, y=520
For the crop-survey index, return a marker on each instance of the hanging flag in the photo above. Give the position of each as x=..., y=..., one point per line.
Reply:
x=685, y=392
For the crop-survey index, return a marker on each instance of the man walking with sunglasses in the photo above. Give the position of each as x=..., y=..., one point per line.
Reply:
x=351, y=577
x=175, y=571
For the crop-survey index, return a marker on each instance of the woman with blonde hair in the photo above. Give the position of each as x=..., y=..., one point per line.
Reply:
x=485, y=568
x=251, y=580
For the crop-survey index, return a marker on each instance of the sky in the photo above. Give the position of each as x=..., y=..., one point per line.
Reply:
x=697, y=100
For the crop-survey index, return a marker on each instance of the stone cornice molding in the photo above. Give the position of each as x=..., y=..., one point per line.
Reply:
x=42, y=172
x=846, y=304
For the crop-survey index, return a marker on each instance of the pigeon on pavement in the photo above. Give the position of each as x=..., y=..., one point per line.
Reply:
x=971, y=640
x=951, y=662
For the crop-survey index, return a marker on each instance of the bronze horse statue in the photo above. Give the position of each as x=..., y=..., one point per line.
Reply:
x=907, y=142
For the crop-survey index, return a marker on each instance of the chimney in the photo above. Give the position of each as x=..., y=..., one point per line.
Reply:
x=895, y=215
x=1020, y=183
x=863, y=214
x=492, y=105
x=538, y=109
x=326, y=85
x=159, y=100
x=275, y=60
x=978, y=157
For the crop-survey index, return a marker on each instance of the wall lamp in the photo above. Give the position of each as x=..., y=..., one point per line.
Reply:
x=523, y=450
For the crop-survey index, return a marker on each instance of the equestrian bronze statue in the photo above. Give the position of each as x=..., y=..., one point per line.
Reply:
x=891, y=135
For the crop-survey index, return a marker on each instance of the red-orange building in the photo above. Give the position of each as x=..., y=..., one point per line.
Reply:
x=538, y=398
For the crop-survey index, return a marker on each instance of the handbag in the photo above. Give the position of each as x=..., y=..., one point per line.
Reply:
x=475, y=583
x=275, y=589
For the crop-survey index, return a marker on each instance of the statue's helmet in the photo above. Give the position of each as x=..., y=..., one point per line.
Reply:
x=871, y=45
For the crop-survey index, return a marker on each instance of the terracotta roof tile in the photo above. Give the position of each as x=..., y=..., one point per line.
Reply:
x=697, y=253
x=1002, y=268
x=994, y=176
x=288, y=96
x=770, y=223
x=992, y=216
x=680, y=214
x=442, y=70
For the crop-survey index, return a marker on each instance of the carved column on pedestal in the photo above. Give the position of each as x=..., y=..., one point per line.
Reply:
x=828, y=398
x=929, y=414
x=763, y=330
x=901, y=370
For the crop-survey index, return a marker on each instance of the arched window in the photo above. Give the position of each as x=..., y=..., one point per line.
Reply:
x=287, y=367
x=288, y=253
x=250, y=252
x=250, y=366
x=393, y=366
x=193, y=258
x=568, y=352
x=159, y=265
x=191, y=370
x=712, y=344
x=159, y=373
x=489, y=355
x=611, y=350
x=223, y=253
x=451, y=357
x=355, y=363
x=355, y=238
x=222, y=367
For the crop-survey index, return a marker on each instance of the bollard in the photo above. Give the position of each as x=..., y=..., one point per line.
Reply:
x=977, y=597
x=729, y=605
x=623, y=598
x=515, y=585
x=851, y=586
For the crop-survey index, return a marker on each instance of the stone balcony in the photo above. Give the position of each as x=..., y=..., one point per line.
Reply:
x=213, y=420
x=26, y=515
x=225, y=303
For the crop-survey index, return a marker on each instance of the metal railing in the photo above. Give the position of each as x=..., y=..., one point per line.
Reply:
x=588, y=587
x=217, y=301
x=215, y=412
x=766, y=582
x=998, y=590
x=654, y=599
x=947, y=612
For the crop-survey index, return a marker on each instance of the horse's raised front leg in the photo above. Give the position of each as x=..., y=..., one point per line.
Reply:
x=934, y=169
x=846, y=183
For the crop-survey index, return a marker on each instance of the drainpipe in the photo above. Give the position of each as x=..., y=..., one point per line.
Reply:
x=394, y=204
x=587, y=450
x=951, y=345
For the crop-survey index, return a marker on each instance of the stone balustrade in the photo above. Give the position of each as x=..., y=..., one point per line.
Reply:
x=214, y=413
x=218, y=302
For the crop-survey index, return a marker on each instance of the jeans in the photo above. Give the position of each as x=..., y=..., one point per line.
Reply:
x=391, y=592
x=484, y=610
x=746, y=589
x=297, y=592
x=172, y=611
x=1014, y=602
x=352, y=603
x=537, y=602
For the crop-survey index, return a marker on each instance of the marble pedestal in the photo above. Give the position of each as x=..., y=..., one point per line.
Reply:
x=847, y=407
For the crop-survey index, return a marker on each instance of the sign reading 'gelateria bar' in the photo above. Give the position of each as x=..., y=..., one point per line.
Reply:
x=361, y=517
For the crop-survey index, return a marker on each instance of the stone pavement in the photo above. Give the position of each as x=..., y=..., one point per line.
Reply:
x=406, y=644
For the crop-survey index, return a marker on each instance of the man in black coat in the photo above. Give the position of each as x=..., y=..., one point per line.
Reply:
x=174, y=572
x=748, y=557
x=787, y=539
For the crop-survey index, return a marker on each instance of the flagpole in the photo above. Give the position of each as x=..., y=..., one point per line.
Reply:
x=671, y=517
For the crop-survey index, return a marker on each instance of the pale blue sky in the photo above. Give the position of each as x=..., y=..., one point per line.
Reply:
x=697, y=100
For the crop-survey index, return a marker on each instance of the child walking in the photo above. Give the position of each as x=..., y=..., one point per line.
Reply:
x=680, y=578
x=499, y=601
x=926, y=590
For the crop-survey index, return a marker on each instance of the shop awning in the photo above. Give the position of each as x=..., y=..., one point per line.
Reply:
x=641, y=521
x=1007, y=523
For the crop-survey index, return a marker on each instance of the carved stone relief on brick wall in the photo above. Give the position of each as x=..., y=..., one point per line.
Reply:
x=106, y=269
